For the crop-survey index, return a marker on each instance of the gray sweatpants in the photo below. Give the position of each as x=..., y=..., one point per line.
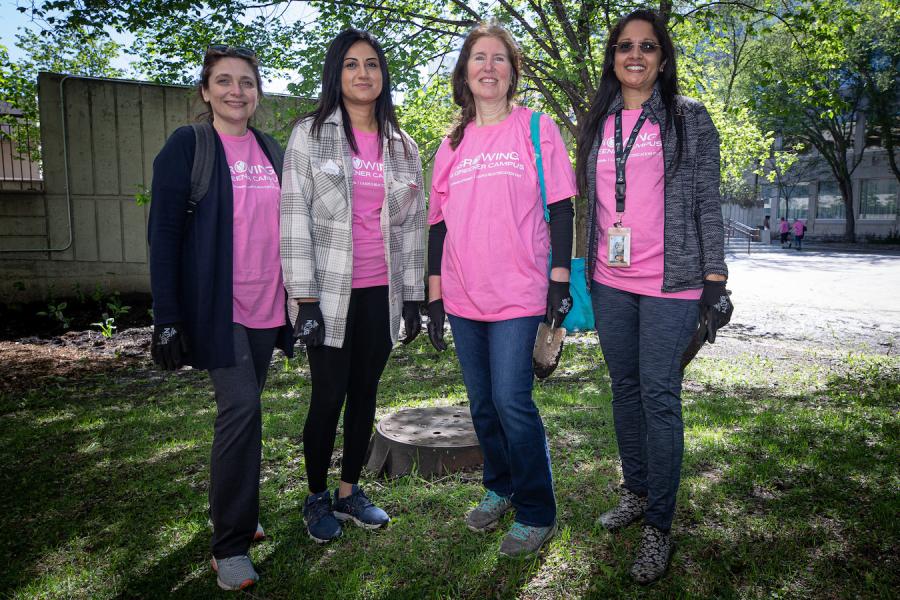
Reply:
x=237, y=441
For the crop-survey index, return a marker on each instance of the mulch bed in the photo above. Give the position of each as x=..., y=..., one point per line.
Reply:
x=32, y=363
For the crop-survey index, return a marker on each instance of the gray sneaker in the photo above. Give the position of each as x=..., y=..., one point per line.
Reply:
x=525, y=539
x=234, y=572
x=630, y=508
x=653, y=555
x=485, y=516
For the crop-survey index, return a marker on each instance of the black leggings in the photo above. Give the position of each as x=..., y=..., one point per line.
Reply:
x=350, y=372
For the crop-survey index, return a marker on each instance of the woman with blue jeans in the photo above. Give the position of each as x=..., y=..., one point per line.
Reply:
x=487, y=253
x=648, y=163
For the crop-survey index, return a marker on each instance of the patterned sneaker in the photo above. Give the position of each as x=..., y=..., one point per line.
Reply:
x=234, y=572
x=525, y=539
x=653, y=555
x=358, y=508
x=486, y=515
x=320, y=522
x=630, y=508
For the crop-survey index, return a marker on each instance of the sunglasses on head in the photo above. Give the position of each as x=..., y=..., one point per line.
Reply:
x=646, y=47
x=231, y=50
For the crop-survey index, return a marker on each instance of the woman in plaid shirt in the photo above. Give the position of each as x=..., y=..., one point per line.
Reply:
x=352, y=251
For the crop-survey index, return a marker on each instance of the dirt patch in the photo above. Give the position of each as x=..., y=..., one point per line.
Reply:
x=34, y=362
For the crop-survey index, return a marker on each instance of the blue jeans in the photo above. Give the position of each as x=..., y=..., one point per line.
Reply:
x=642, y=339
x=496, y=365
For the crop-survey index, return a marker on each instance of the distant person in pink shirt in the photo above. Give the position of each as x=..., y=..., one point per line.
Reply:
x=353, y=253
x=799, y=231
x=488, y=249
x=218, y=294
x=784, y=229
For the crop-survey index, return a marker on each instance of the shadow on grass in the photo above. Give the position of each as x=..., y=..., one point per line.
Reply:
x=782, y=494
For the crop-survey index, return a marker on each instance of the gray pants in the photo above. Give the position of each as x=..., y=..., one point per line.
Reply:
x=642, y=339
x=237, y=441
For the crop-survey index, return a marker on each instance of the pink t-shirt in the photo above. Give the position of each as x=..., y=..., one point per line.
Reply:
x=785, y=227
x=798, y=228
x=494, y=265
x=258, y=289
x=644, y=209
x=369, y=262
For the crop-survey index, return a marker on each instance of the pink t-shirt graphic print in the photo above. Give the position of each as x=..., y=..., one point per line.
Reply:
x=644, y=209
x=494, y=265
x=369, y=262
x=258, y=288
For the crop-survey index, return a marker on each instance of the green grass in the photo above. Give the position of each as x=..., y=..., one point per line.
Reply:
x=790, y=489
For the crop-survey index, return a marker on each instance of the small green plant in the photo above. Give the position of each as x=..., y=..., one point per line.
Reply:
x=98, y=294
x=55, y=310
x=107, y=326
x=115, y=306
x=142, y=197
x=79, y=293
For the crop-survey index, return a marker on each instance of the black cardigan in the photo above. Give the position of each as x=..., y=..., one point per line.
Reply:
x=191, y=259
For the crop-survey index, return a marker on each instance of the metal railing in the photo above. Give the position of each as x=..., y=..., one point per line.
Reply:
x=20, y=169
x=736, y=229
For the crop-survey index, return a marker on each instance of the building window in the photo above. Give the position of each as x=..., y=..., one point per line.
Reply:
x=797, y=205
x=768, y=194
x=830, y=203
x=878, y=199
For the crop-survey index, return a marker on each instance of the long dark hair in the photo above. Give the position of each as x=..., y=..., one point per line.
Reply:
x=462, y=95
x=331, y=98
x=210, y=59
x=609, y=86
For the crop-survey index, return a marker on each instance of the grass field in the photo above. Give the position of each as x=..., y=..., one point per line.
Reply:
x=790, y=489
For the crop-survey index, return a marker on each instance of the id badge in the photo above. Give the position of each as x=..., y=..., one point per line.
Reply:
x=618, y=248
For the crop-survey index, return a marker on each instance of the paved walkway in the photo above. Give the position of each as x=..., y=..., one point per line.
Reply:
x=831, y=297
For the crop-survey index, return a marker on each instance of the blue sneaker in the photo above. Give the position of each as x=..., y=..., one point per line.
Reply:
x=486, y=515
x=320, y=522
x=525, y=539
x=358, y=508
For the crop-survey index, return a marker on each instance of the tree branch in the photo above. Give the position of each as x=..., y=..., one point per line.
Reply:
x=527, y=26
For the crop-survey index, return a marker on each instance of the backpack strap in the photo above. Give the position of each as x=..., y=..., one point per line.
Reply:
x=273, y=150
x=204, y=157
x=536, y=142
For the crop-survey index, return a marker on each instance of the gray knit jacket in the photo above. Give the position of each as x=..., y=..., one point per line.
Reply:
x=694, y=237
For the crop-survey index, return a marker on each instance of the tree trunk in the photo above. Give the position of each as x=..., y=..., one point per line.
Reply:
x=849, y=218
x=665, y=11
x=580, y=226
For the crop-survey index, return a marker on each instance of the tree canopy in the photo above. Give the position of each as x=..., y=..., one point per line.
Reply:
x=763, y=68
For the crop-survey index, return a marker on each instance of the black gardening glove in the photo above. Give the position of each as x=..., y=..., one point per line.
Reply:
x=559, y=302
x=412, y=321
x=715, y=308
x=310, y=325
x=169, y=347
x=436, y=317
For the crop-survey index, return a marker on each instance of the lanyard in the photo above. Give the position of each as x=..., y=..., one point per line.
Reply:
x=622, y=156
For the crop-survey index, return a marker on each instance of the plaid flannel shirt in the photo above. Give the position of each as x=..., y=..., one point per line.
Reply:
x=317, y=220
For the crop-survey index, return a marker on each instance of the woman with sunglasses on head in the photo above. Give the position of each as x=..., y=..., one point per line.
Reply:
x=487, y=263
x=352, y=247
x=218, y=298
x=648, y=163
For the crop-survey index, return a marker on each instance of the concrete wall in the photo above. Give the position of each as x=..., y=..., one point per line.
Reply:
x=113, y=131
